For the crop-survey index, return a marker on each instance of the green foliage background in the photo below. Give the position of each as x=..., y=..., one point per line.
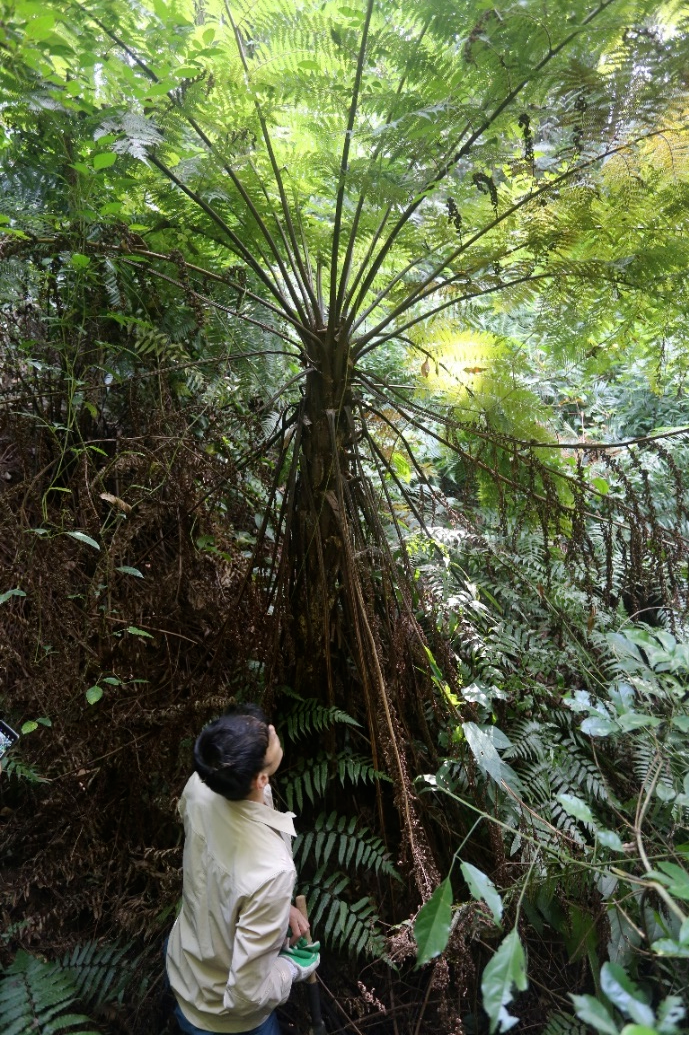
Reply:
x=344, y=366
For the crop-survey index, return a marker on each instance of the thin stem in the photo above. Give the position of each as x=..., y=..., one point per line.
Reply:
x=362, y=346
x=344, y=276
x=295, y=257
x=464, y=150
x=420, y=292
x=239, y=246
x=228, y=309
x=344, y=165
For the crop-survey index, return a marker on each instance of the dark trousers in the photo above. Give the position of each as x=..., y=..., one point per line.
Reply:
x=268, y=1026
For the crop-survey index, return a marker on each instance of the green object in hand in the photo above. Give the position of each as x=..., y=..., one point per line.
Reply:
x=303, y=959
x=303, y=953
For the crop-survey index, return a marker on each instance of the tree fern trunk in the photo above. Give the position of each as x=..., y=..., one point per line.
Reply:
x=317, y=542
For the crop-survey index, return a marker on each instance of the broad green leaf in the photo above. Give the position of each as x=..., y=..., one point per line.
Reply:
x=130, y=571
x=79, y=261
x=598, y=727
x=486, y=755
x=94, y=694
x=577, y=808
x=617, y=986
x=482, y=888
x=78, y=535
x=600, y=484
x=40, y=28
x=138, y=632
x=590, y=1010
x=682, y=722
x=46, y=721
x=675, y=878
x=402, y=466
x=16, y=592
x=610, y=839
x=632, y=721
x=28, y=726
x=670, y=1012
x=506, y=969
x=111, y=680
x=103, y=159
x=670, y=948
x=638, y=1028
x=432, y=925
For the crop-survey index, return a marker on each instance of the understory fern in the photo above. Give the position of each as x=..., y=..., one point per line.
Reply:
x=38, y=996
x=312, y=776
x=350, y=927
x=309, y=716
x=354, y=846
x=101, y=973
x=335, y=838
x=564, y=1023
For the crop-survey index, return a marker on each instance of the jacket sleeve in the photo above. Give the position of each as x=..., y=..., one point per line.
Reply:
x=258, y=979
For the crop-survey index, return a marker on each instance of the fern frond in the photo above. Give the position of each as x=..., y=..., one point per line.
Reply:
x=35, y=997
x=527, y=737
x=309, y=716
x=340, y=925
x=358, y=769
x=564, y=1023
x=100, y=972
x=309, y=778
x=355, y=847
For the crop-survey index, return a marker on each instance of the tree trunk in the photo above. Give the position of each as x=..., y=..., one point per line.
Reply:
x=319, y=527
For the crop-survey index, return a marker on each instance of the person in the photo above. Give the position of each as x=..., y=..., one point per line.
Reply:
x=228, y=959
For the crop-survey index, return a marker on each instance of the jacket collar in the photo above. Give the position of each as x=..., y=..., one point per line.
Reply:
x=266, y=815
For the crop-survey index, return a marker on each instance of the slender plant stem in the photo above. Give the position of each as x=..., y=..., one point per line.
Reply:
x=466, y=147
x=333, y=316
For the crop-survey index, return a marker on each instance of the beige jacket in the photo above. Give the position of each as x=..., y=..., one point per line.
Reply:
x=222, y=956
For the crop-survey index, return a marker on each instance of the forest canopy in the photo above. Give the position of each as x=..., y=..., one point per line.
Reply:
x=343, y=368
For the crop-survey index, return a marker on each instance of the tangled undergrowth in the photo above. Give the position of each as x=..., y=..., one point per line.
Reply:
x=123, y=632
x=118, y=645
x=120, y=639
x=131, y=519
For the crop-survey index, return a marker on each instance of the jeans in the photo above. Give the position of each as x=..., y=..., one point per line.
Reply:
x=269, y=1026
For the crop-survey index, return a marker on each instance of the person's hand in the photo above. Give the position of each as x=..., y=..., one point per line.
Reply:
x=298, y=925
x=303, y=959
